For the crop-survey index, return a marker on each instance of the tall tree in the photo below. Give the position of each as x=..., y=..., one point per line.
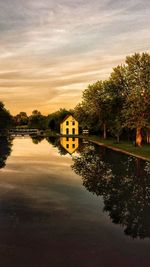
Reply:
x=83, y=117
x=116, y=86
x=97, y=102
x=136, y=110
x=5, y=118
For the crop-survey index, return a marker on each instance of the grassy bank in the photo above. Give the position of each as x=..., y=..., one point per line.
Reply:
x=124, y=146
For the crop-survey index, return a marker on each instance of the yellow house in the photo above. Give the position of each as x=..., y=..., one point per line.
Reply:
x=70, y=144
x=69, y=126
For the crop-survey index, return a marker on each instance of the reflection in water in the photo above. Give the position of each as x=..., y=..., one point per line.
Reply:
x=37, y=139
x=5, y=150
x=69, y=144
x=47, y=218
x=56, y=143
x=125, y=187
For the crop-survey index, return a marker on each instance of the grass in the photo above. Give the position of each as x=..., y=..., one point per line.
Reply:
x=143, y=151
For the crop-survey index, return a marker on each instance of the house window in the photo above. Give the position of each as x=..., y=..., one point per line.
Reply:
x=73, y=123
x=73, y=139
x=67, y=146
x=73, y=145
x=67, y=131
x=67, y=139
x=73, y=130
x=67, y=122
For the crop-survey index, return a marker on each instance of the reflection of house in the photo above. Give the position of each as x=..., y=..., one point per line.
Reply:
x=70, y=144
x=69, y=126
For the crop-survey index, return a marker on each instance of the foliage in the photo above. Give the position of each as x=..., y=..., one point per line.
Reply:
x=5, y=118
x=21, y=119
x=36, y=120
x=121, y=103
x=54, y=119
x=137, y=103
x=125, y=190
x=96, y=100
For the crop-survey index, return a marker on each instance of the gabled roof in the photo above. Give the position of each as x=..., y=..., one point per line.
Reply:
x=66, y=118
x=68, y=150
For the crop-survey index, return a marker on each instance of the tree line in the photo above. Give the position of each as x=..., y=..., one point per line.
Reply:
x=117, y=107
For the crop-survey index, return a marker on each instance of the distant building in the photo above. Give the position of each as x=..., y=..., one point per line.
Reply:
x=69, y=126
x=69, y=144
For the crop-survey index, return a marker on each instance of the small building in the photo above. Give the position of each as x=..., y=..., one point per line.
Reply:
x=69, y=126
x=69, y=144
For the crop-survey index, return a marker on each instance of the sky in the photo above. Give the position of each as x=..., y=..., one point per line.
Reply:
x=50, y=50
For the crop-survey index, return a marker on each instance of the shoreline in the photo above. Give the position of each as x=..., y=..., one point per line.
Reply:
x=120, y=150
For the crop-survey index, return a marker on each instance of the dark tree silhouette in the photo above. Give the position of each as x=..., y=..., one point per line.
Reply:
x=126, y=194
x=5, y=150
x=56, y=143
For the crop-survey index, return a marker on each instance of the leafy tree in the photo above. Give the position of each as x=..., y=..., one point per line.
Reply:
x=36, y=120
x=97, y=101
x=136, y=109
x=21, y=119
x=116, y=87
x=86, y=121
x=36, y=112
x=54, y=119
x=6, y=120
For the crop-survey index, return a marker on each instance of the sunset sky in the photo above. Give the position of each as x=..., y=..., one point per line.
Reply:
x=50, y=50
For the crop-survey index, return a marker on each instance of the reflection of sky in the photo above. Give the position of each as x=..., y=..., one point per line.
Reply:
x=40, y=175
x=32, y=158
x=49, y=219
x=62, y=46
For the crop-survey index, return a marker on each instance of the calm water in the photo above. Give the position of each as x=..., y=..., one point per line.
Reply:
x=87, y=209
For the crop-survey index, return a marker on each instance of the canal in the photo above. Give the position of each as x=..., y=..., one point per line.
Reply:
x=71, y=203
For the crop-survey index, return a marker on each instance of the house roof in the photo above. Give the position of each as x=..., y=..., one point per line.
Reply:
x=66, y=118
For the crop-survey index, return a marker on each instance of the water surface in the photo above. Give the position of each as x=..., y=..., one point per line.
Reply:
x=90, y=208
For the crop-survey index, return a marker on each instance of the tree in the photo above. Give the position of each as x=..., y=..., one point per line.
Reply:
x=21, y=119
x=36, y=120
x=54, y=119
x=97, y=101
x=136, y=109
x=36, y=112
x=6, y=120
x=116, y=87
x=86, y=121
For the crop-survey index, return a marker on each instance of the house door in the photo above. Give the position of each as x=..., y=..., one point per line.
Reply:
x=73, y=131
x=67, y=131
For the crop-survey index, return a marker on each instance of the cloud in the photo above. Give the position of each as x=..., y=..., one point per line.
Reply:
x=51, y=50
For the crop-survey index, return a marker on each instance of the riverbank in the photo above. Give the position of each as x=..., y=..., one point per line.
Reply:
x=124, y=147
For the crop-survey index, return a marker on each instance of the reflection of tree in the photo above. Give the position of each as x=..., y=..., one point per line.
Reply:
x=37, y=139
x=5, y=150
x=126, y=194
x=56, y=143
x=95, y=173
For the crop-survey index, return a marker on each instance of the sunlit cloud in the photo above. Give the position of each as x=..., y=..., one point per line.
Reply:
x=51, y=50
